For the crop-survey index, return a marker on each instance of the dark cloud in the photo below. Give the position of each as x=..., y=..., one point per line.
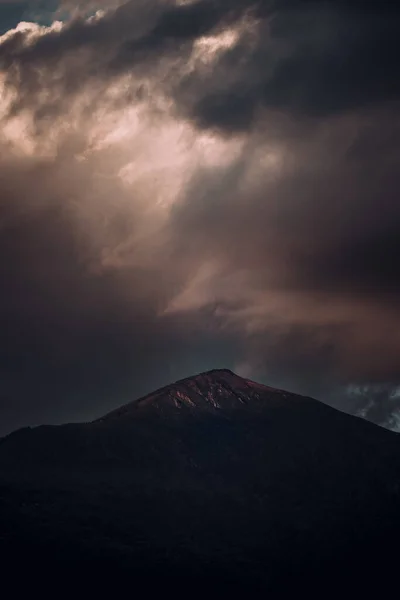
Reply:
x=311, y=59
x=279, y=254
x=308, y=58
x=379, y=403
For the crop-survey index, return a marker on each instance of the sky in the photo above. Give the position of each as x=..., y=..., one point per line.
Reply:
x=188, y=185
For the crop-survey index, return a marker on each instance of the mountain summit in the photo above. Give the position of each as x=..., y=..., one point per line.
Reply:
x=212, y=390
x=209, y=480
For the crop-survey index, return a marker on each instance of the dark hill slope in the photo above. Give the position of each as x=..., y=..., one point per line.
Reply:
x=211, y=480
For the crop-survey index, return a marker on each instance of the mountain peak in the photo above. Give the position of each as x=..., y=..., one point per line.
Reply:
x=216, y=371
x=213, y=390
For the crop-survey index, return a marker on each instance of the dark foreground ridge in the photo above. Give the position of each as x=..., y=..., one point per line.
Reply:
x=214, y=482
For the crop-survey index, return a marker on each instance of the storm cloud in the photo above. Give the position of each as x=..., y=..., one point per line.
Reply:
x=188, y=185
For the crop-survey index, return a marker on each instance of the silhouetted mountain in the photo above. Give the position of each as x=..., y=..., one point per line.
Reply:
x=213, y=480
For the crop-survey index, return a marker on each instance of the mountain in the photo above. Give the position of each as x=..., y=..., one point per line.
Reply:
x=214, y=482
x=216, y=389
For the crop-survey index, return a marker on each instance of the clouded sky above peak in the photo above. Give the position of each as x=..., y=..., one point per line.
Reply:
x=189, y=185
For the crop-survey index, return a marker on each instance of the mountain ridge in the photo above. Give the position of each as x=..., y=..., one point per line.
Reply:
x=212, y=380
x=207, y=389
